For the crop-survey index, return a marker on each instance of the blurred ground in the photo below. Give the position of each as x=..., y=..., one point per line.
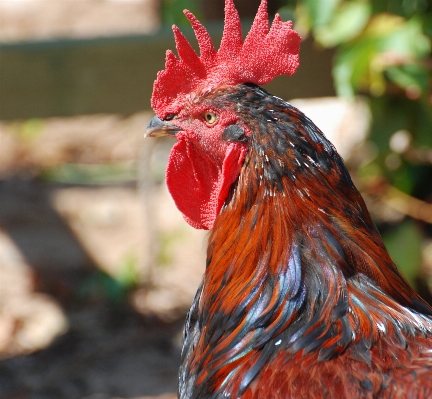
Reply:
x=84, y=312
x=81, y=310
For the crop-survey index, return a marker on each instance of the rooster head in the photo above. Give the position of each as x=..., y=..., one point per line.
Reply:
x=212, y=139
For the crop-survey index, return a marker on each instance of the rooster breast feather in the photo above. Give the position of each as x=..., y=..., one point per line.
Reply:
x=300, y=297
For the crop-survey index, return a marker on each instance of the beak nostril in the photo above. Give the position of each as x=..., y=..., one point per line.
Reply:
x=158, y=128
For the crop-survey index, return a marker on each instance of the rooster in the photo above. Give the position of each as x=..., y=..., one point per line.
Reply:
x=300, y=298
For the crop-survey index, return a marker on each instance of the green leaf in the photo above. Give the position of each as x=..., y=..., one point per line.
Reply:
x=423, y=121
x=127, y=275
x=404, y=179
x=389, y=43
x=427, y=24
x=404, y=245
x=342, y=72
x=346, y=24
x=352, y=65
x=101, y=286
x=321, y=11
x=406, y=38
x=368, y=170
x=172, y=11
x=287, y=13
x=410, y=76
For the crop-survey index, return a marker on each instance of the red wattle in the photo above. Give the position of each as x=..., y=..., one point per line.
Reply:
x=197, y=184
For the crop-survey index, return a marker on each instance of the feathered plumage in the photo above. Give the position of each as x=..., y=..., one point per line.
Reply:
x=300, y=298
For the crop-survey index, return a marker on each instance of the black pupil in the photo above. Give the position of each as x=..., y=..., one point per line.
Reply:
x=209, y=117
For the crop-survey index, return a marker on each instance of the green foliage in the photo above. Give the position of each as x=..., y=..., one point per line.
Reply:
x=72, y=173
x=172, y=11
x=345, y=25
x=127, y=275
x=100, y=286
x=378, y=43
x=405, y=8
x=394, y=116
x=29, y=129
x=405, y=244
x=166, y=242
x=114, y=288
x=321, y=12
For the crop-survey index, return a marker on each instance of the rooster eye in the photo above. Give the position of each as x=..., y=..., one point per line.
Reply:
x=210, y=117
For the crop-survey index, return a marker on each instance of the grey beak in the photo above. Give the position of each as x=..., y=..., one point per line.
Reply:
x=159, y=128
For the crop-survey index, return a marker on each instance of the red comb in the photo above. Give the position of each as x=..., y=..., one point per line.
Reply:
x=263, y=55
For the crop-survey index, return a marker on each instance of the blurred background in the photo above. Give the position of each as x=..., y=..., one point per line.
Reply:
x=97, y=267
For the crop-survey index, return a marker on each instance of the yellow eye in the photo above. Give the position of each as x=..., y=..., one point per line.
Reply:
x=210, y=117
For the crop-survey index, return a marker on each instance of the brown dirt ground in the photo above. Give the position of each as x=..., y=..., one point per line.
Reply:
x=66, y=329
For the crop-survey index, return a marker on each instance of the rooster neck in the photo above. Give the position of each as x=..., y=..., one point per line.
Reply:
x=294, y=261
x=294, y=188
